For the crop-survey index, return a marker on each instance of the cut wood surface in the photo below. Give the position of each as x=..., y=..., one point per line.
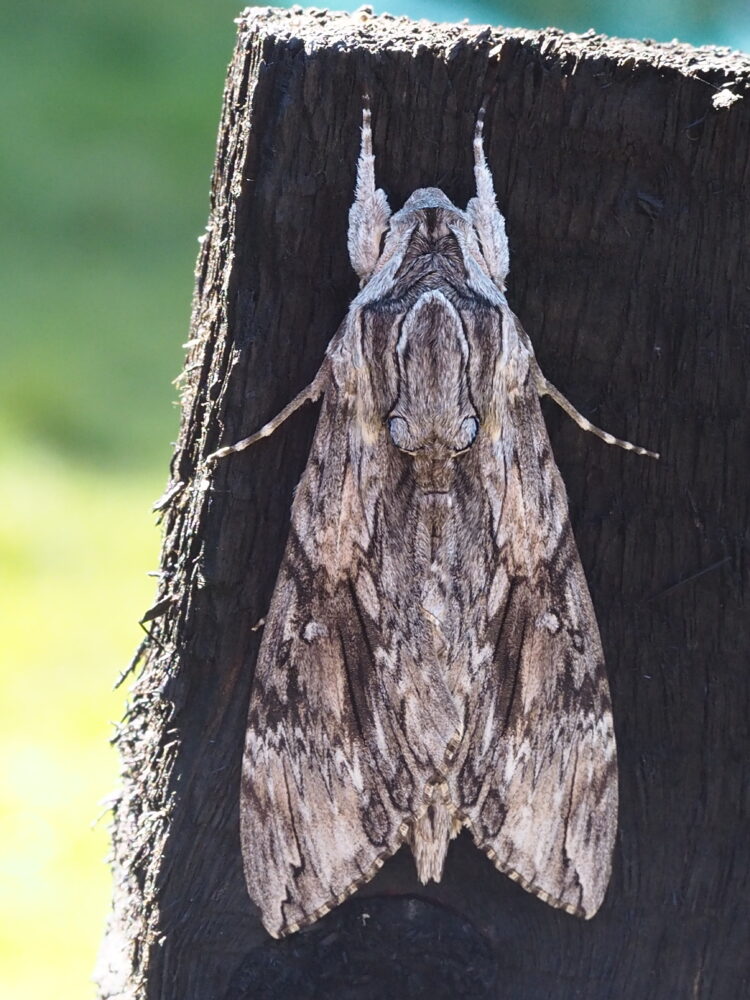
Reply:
x=622, y=170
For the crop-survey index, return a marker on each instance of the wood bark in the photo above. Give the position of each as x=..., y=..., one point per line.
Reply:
x=622, y=169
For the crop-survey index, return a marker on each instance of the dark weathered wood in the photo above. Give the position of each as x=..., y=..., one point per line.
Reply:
x=624, y=188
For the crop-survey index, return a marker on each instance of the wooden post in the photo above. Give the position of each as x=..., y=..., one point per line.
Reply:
x=622, y=169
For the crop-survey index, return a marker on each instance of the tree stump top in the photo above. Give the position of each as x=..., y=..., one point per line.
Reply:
x=362, y=29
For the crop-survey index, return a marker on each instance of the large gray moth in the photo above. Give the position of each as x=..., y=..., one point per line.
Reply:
x=430, y=658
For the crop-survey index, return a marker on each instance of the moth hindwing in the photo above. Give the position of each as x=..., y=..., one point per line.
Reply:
x=430, y=658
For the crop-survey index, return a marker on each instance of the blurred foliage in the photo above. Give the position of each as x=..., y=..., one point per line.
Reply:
x=109, y=115
x=110, y=118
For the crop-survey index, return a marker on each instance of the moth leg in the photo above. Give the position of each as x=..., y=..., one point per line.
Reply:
x=546, y=388
x=310, y=394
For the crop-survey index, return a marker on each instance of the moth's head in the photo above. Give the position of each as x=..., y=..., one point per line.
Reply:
x=425, y=228
x=424, y=199
x=375, y=235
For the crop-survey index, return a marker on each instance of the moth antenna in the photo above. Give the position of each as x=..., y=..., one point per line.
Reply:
x=369, y=215
x=366, y=164
x=309, y=394
x=485, y=215
x=482, y=176
x=546, y=388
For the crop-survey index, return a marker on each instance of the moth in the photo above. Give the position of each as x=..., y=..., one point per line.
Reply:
x=430, y=658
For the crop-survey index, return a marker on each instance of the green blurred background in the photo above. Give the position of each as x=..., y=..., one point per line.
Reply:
x=109, y=117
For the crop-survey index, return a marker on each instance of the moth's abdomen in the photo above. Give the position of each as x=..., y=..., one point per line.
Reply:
x=431, y=831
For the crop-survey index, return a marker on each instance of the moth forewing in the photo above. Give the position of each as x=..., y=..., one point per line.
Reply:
x=430, y=658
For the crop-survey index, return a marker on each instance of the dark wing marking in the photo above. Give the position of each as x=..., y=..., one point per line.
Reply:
x=346, y=723
x=535, y=776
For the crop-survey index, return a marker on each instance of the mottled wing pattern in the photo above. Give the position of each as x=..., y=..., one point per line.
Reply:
x=345, y=722
x=431, y=656
x=536, y=777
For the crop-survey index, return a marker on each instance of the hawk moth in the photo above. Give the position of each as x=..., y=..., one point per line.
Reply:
x=430, y=659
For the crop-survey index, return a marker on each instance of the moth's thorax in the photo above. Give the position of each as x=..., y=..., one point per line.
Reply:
x=433, y=418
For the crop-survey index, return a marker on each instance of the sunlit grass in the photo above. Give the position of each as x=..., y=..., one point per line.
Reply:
x=74, y=550
x=110, y=116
